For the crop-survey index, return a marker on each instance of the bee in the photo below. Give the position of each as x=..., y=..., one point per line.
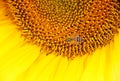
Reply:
x=74, y=39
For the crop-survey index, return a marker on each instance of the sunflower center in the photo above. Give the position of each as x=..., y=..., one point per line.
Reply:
x=68, y=27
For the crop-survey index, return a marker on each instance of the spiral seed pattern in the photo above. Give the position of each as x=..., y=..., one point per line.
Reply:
x=67, y=27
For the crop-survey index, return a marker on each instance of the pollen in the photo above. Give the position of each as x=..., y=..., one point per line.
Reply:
x=69, y=28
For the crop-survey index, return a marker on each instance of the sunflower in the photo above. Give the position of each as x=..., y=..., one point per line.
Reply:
x=59, y=40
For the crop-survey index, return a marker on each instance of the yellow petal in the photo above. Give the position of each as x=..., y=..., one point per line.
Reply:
x=20, y=61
